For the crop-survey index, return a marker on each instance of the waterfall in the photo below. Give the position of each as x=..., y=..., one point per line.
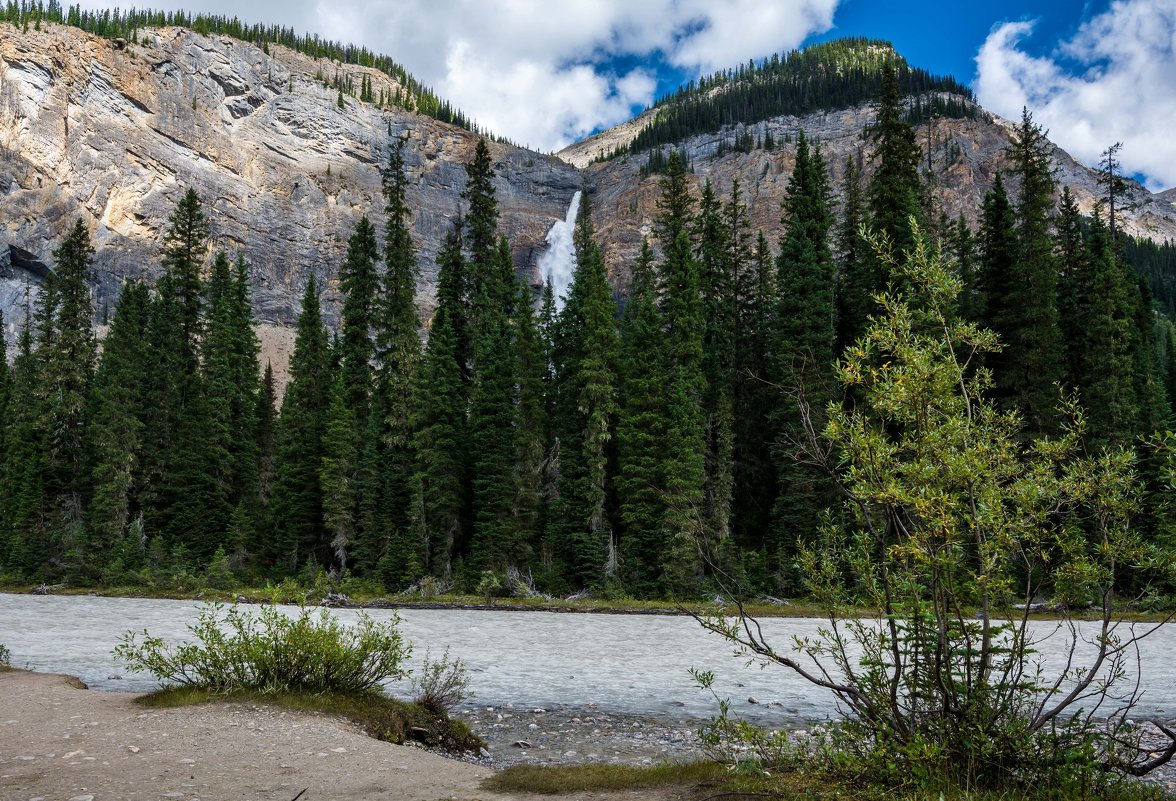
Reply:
x=558, y=262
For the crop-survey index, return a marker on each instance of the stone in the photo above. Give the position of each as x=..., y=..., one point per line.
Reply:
x=752, y=700
x=522, y=744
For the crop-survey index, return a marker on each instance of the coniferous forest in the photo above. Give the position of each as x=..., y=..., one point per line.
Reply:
x=640, y=448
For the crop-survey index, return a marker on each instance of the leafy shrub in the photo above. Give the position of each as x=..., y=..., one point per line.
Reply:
x=442, y=684
x=6, y=656
x=490, y=586
x=233, y=649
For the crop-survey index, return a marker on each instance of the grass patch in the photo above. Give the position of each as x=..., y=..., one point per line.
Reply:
x=378, y=715
x=556, y=779
x=712, y=780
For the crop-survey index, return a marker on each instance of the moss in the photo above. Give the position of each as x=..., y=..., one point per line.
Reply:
x=379, y=716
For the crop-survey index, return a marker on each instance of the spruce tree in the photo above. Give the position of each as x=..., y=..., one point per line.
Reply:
x=1027, y=321
x=585, y=410
x=964, y=251
x=640, y=435
x=720, y=256
x=359, y=283
x=803, y=350
x=439, y=421
x=26, y=547
x=684, y=443
x=481, y=224
x=337, y=473
x=857, y=270
x=998, y=251
x=297, y=505
x=391, y=532
x=530, y=423
x=185, y=246
x=117, y=423
x=894, y=189
x=67, y=372
x=266, y=437
x=495, y=544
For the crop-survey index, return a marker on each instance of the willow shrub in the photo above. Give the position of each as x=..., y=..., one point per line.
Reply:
x=954, y=522
x=234, y=649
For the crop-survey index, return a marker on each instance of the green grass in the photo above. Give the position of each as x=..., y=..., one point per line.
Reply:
x=554, y=780
x=378, y=715
x=711, y=780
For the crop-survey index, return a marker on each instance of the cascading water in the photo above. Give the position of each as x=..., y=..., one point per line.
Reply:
x=558, y=262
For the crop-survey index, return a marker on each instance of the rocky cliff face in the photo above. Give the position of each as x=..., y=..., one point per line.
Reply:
x=115, y=134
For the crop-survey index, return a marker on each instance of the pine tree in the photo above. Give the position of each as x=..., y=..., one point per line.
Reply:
x=481, y=224
x=360, y=286
x=530, y=423
x=998, y=250
x=640, y=435
x=964, y=250
x=266, y=437
x=684, y=448
x=586, y=405
x=184, y=249
x=297, y=505
x=803, y=348
x=495, y=544
x=337, y=474
x=117, y=423
x=755, y=472
x=857, y=270
x=439, y=417
x=25, y=547
x=389, y=487
x=894, y=189
x=1027, y=319
x=720, y=256
x=67, y=372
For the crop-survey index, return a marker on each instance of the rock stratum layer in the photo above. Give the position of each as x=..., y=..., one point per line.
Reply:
x=113, y=133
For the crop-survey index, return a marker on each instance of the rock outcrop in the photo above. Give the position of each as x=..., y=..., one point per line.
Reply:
x=113, y=133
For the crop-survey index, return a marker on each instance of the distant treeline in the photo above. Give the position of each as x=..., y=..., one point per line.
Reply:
x=832, y=75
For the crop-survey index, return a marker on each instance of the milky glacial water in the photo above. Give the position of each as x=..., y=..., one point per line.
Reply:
x=624, y=663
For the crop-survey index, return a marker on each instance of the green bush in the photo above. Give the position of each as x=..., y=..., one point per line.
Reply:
x=5, y=656
x=442, y=684
x=233, y=649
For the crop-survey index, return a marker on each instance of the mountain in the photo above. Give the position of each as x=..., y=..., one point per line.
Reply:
x=113, y=132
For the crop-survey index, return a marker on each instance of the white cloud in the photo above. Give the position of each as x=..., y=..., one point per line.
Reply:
x=1113, y=81
x=535, y=70
x=531, y=70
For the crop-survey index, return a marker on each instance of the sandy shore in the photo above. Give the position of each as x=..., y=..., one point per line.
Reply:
x=59, y=742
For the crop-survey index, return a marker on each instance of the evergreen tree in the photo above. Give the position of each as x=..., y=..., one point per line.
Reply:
x=495, y=544
x=998, y=251
x=684, y=442
x=267, y=454
x=585, y=409
x=803, y=349
x=117, y=424
x=964, y=250
x=184, y=248
x=1027, y=318
x=439, y=417
x=755, y=472
x=297, y=505
x=391, y=535
x=530, y=423
x=25, y=547
x=359, y=283
x=720, y=257
x=640, y=435
x=337, y=474
x=481, y=226
x=894, y=189
x=857, y=270
x=67, y=372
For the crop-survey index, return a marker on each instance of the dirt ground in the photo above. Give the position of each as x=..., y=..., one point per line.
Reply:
x=59, y=742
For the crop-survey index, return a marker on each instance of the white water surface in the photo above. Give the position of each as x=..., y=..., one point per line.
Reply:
x=558, y=262
x=624, y=663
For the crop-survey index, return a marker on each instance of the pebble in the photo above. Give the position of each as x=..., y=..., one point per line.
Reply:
x=533, y=726
x=522, y=744
x=82, y=798
x=134, y=749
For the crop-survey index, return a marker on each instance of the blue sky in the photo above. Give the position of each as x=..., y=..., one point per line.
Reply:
x=547, y=72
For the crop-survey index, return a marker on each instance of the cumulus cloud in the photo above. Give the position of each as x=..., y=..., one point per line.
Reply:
x=542, y=72
x=1112, y=81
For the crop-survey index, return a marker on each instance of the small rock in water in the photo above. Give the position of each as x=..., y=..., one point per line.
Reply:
x=752, y=700
x=538, y=710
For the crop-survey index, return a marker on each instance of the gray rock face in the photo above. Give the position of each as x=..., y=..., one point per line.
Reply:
x=115, y=136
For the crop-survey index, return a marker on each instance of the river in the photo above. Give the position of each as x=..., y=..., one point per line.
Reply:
x=628, y=664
